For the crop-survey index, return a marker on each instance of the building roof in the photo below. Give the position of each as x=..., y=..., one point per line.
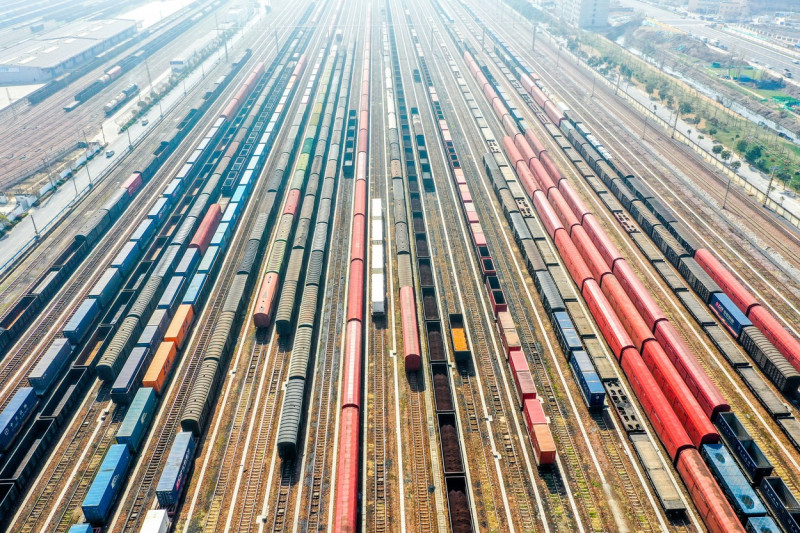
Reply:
x=53, y=48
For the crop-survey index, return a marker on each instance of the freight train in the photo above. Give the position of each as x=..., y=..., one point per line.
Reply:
x=127, y=93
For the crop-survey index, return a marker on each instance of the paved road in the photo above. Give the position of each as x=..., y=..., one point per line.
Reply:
x=752, y=50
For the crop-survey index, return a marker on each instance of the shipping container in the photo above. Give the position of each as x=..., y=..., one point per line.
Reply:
x=127, y=257
x=159, y=209
x=195, y=291
x=156, y=521
x=749, y=455
x=107, y=484
x=141, y=235
x=188, y=262
x=730, y=315
x=171, y=295
x=138, y=419
x=180, y=325
x=106, y=287
x=49, y=366
x=732, y=481
x=15, y=414
x=131, y=374
x=81, y=321
x=160, y=367
x=179, y=462
x=762, y=524
x=782, y=503
x=81, y=528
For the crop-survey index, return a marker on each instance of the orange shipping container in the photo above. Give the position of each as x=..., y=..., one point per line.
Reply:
x=459, y=340
x=543, y=445
x=179, y=327
x=160, y=367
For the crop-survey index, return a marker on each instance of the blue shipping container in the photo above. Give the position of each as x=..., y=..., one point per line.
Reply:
x=106, y=484
x=754, y=463
x=50, y=365
x=131, y=374
x=81, y=321
x=127, y=257
x=734, y=319
x=173, y=188
x=195, y=290
x=143, y=232
x=238, y=194
x=188, y=261
x=179, y=462
x=732, y=481
x=762, y=524
x=208, y=260
x=591, y=388
x=782, y=502
x=569, y=340
x=220, y=237
x=562, y=320
x=137, y=419
x=169, y=299
x=15, y=414
x=230, y=212
x=159, y=209
x=81, y=528
x=106, y=287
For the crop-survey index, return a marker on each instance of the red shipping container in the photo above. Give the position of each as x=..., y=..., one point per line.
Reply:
x=704, y=390
x=683, y=403
x=562, y=209
x=542, y=177
x=518, y=362
x=601, y=241
x=358, y=239
x=524, y=148
x=707, y=496
x=527, y=179
x=512, y=152
x=266, y=301
x=572, y=259
x=160, y=367
x=292, y=201
x=525, y=387
x=205, y=231
x=479, y=239
x=408, y=315
x=499, y=108
x=551, y=168
x=661, y=416
x=546, y=213
x=639, y=295
x=589, y=253
x=610, y=326
x=355, y=291
x=538, y=96
x=509, y=125
x=574, y=201
x=463, y=191
x=360, y=201
x=534, y=142
x=553, y=112
x=727, y=282
x=347, y=472
x=526, y=82
x=626, y=312
x=777, y=334
x=543, y=445
x=458, y=174
x=472, y=215
x=133, y=183
x=534, y=413
x=230, y=110
x=351, y=365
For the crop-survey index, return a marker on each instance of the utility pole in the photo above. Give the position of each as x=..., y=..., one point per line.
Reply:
x=594, y=82
x=35, y=230
x=104, y=135
x=769, y=187
x=675, y=125
x=88, y=174
x=130, y=144
x=725, y=199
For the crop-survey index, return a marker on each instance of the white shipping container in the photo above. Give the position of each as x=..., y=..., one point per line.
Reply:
x=378, y=295
x=377, y=231
x=377, y=258
x=156, y=521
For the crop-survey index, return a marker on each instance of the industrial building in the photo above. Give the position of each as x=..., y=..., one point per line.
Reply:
x=586, y=14
x=48, y=55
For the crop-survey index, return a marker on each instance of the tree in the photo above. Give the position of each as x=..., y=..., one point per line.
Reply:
x=717, y=148
x=741, y=146
x=650, y=87
x=736, y=165
x=753, y=153
x=725, y=155
x=685, y=108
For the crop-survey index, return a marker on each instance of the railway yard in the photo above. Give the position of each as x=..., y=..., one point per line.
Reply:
x=390, y=267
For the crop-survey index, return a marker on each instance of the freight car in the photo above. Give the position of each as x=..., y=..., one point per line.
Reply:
x=127, y=93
